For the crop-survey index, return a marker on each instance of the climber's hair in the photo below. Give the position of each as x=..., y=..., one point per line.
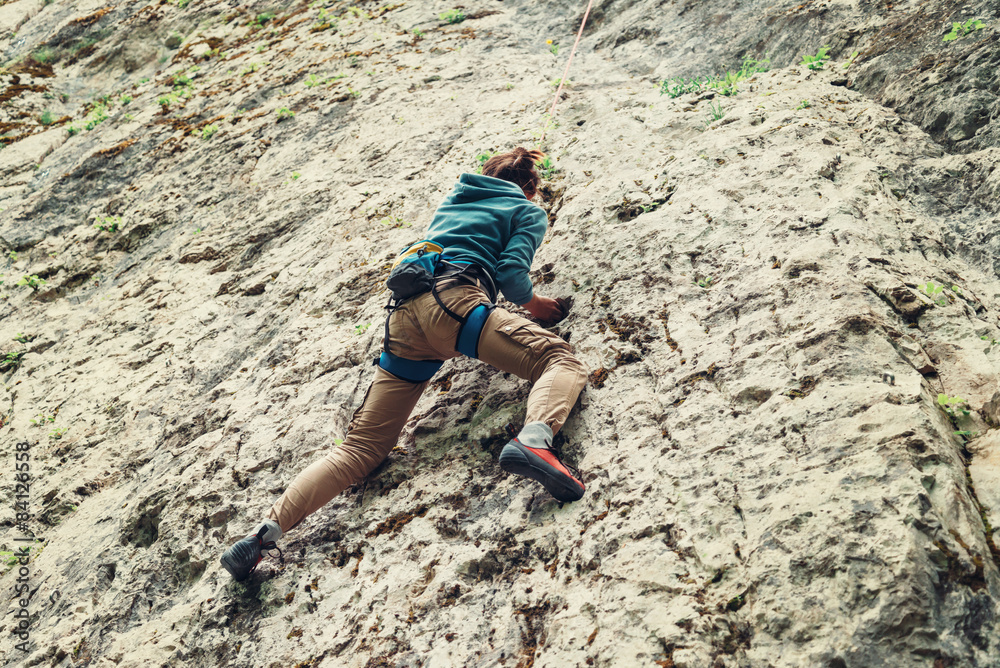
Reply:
x=518, y=167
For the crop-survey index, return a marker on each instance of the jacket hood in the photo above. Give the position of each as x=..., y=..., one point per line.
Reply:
x=474, y=187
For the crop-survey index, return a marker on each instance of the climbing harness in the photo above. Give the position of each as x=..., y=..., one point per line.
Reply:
x=468, y=334
x=418, y=270
x=555, y=100
x=413, y=371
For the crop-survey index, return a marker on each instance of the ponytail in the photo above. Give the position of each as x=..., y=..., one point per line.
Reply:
x=518, y=167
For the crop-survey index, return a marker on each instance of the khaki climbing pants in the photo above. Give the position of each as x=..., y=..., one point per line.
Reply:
x=421, y=330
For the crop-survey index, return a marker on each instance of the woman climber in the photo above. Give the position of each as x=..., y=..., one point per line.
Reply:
x=489, y=230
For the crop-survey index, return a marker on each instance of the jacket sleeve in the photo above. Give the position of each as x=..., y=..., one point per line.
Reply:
x=515, y=261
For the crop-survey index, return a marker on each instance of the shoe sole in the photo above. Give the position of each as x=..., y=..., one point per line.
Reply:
x=516, y=459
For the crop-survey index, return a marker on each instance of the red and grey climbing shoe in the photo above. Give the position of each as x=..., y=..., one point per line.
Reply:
x=530, y=455
x=242, y=558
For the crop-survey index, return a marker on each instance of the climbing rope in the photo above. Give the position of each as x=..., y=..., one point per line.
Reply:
x=562, y=81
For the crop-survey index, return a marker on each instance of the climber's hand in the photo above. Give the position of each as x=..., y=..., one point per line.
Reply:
x=547, y=310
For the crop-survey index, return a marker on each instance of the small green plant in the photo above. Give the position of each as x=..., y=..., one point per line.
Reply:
x=553, y=47
x=956, y=407
x=816, y=62
x=751, y=66
x=354, y=93
x=546, y=168
x=125, y=99
x=46, y=118
x=990, y=339
x=42, y=418
x=933, y=291
x=72, y=129
x=57, y=433
x=285, y=113
x=452, y=16
x=312, y=80
x=850, y=61
x=725, y=84
x=509, y=86
x=11, y=361
x=804, y=104
x=418, y=33
x=25, y=338
x=704, y=282
x=961, y=29
x=252, y=67
x=108, y=223
x=296, y=176
x=678, y=86
x=32, y=281
x=44, y=55
x=324, y=21
x=12, y=256
x=262, y=19
x=98, y=115
x=481, y=159
x=361, y=329
x=208, y=131
x=715, y=112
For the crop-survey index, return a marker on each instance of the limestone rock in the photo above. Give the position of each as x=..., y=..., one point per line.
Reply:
x=772, y=480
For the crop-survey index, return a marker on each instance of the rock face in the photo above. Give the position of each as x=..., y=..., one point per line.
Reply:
x=788, y=298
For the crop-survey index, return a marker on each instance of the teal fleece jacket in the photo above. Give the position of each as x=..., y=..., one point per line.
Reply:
x=490, y=222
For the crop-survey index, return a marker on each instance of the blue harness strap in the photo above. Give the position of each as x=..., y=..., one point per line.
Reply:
x=468, y=335
x=414, y=371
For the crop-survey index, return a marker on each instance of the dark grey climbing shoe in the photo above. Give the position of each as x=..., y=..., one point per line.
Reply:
x=242, y=558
